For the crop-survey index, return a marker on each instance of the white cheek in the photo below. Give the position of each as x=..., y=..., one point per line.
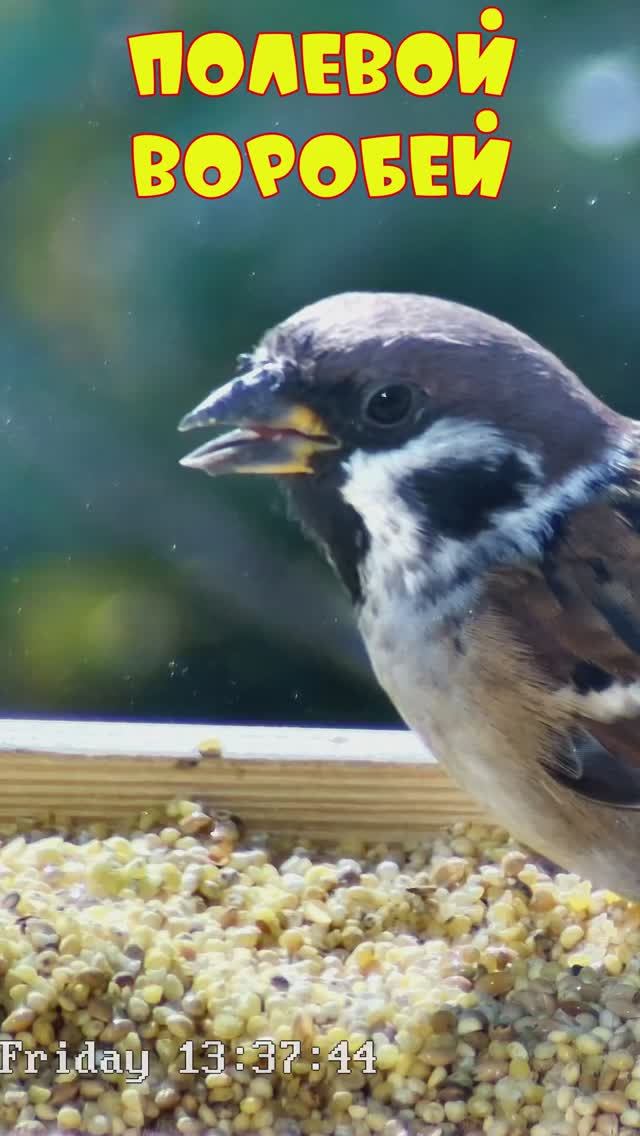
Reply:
x=371, y=490
x=394, y=563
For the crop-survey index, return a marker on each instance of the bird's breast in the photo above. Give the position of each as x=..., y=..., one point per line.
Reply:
x=436, y=673
x=469, y=691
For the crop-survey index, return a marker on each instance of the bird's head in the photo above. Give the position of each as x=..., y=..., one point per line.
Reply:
x=407, y=424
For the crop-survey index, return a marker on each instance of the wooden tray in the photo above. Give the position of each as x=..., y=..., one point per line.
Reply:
x=320, y=782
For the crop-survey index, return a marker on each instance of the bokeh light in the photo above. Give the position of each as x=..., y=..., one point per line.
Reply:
x=598, y=106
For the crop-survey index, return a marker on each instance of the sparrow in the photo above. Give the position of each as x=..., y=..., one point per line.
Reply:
x=482, y=508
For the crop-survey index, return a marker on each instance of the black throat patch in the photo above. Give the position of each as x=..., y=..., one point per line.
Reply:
x=338, y=530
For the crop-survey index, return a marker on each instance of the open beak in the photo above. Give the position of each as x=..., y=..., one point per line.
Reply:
x=272, y=434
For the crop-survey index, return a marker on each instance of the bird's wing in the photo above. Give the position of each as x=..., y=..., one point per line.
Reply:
x=579, y=611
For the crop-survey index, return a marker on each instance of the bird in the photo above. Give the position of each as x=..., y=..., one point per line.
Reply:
x=481, y=507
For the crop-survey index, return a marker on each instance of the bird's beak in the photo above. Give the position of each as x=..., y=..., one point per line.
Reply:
x=273, y=434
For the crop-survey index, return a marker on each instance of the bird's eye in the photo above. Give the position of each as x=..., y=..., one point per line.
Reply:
x=389, y=406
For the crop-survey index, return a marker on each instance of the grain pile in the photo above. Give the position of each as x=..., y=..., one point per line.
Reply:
x=499, y=999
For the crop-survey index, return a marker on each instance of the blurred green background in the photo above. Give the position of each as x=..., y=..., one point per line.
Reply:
x=130, y=587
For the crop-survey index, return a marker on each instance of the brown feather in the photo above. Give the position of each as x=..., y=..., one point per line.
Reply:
x=581, y=609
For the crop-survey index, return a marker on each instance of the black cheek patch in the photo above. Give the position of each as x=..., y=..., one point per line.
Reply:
x=461, y=498
x=588, y=677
